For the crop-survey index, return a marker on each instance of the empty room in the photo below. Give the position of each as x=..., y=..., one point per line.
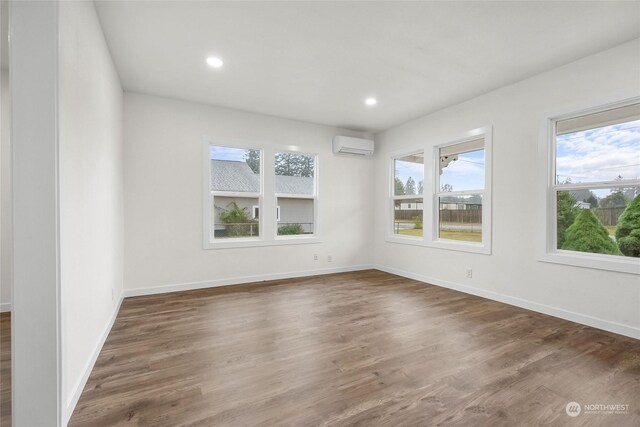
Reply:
x=331, y=213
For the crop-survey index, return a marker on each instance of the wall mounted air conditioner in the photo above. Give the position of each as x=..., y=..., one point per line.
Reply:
x=352, y=146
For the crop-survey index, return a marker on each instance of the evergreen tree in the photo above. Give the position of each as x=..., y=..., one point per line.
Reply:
x=616, y=199
x=566, y=214
x=291, y=164
x=628, y=229
x=420, y=187
x=587, y=234
x=252, y=157
x=399, y=187
x=410, y=187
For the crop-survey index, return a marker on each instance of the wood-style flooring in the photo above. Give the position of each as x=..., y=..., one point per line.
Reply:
x=364, y=348
x=5, y=369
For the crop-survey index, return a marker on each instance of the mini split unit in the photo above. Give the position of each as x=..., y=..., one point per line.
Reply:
x=352, y=146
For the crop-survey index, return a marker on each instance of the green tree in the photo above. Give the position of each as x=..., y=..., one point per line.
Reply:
x=587, y=234
x=420, y=187
x=566, y=214
x=616, y=199
x=410, y=186
x=399, y=187
x=292, y=164
x=252, y=157
x=593, y=201
x=446, y=188
x=628, y=229
x=290, y=229
x=238, y=221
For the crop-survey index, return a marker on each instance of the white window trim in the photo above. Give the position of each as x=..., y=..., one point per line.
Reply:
x=391, y=236
x=429, y=203
x=267, y=223
x=547, y=246
x=484, y=133
x=315, y=197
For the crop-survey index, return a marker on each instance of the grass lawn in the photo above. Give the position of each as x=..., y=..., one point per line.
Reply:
x=467, y=236
x=410, y=232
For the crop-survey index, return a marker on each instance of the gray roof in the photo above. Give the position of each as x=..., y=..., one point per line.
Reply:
x=229, y=175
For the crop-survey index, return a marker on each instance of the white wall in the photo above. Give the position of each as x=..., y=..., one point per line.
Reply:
x=5, y=193
x=91, y=204
x=35, y=320
x=513, y=273
x=163, y=196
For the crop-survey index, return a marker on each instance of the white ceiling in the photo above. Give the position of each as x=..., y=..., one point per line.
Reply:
x=318, y=61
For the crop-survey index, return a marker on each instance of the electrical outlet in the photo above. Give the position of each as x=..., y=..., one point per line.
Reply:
x=315, y=257
x=469, y=273
x=329, y=258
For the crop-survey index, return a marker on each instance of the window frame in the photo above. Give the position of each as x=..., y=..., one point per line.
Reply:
x=209, y=235
x=267, y=205
x=484, y=247
x=430, y=207
x=314, y=197
x=391, y=234
x=548, y=250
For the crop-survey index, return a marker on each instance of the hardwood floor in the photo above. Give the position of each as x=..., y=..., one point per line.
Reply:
x=5, y=369
x=364, y=348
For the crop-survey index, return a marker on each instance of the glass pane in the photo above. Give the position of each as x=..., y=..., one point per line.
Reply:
x=605, y=153
x=604, y=221
x=460, y=218
x=233, y=217
x=407, y=217
x=462, y=171
x=296, y=216
x=409, y=175
x=295, y=173
x=235, y=169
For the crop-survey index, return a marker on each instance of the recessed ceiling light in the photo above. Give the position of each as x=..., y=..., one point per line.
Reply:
x=214, y=62
x=370, y=101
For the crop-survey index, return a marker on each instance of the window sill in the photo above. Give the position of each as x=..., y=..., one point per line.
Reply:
x=256, y=243
x=596, y=261
x=441, y=244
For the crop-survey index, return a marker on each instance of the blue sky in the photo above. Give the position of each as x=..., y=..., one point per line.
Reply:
x=404, y=170
x=466, y=173
x=600, y=154
x=226, y=153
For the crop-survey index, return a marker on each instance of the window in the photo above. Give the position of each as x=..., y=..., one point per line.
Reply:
x=406, y=195
x=295, y=185
x=461, y=187
x=594, y=191
x=235, y=193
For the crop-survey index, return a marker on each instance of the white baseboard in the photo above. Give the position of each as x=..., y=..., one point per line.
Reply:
x=5, y=306
x=72, y=401
x=584, y=319
x=240, y=280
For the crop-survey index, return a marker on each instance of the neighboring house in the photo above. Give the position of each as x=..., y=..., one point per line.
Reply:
x=583, y=205
x=237, y=176
x=409, y=206
x=581, y=195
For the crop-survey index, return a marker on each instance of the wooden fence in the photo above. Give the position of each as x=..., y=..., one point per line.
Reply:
x=608, y=216
x=465, y=216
